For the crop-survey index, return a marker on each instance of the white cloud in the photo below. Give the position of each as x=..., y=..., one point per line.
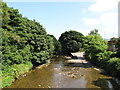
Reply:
x=106, y=19
x=103, y=5
x=107, y=23
x=109, y=18
x=89, y=21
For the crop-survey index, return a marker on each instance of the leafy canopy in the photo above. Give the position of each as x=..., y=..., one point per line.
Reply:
x=71, y=41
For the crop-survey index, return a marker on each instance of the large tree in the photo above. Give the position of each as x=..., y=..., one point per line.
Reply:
x=20, y=32
x=94, y=44
x=71, y=41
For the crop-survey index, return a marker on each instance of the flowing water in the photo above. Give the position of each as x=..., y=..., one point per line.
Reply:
x=59, y=74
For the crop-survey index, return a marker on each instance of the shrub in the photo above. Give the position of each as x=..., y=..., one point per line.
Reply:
x=6, y=81
x=103, y=57
x=113, y=66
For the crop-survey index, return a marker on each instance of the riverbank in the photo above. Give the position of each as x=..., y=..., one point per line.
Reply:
x=13, y=72
x=18, y=71
x=81, y=61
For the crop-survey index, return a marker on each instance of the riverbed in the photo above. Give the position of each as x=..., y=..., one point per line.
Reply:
x=59, y=74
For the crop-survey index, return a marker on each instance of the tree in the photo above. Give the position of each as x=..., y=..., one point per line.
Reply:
x=20, y=36
x=57, y=45
x=94, y=44
x=94, y=32
x=71, y=41
x=24, y=43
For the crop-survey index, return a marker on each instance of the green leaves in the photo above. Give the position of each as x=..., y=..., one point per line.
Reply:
x=24, y=41
x=118, y=47
x=14, y=71
x=96, y=51
x=114, y=66
x=94, y=45
x=71, y=41
x=57, y=45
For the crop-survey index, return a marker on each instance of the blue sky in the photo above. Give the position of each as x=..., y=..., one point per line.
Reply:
x=58, y=17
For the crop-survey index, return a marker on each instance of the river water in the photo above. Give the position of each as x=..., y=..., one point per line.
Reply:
x=59, y=74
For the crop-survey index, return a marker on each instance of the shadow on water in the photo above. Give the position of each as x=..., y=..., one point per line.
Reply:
x=106, y=84
x=104, y=73
x=77, y=57
x=81, y=65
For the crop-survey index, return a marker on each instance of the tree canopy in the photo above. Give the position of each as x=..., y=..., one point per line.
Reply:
x=94, y=44
x=24, y=39
x=71, y=41
x=57, y=45
x=24, y=43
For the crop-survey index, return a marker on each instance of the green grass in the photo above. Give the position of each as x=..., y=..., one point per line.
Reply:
x=13, y=72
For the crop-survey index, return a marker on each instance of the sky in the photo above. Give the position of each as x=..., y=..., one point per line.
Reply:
x=82, y=16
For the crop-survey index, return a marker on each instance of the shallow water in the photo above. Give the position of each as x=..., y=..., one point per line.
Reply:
x=58, y=74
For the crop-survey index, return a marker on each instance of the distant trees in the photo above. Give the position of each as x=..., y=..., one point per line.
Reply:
x=57, y=46
x=93, y=32
x=71, y=41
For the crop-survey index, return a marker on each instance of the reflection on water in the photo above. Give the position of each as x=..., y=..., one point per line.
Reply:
x=59, y=75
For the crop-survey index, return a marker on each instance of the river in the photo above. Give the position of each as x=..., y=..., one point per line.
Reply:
x=59, y=74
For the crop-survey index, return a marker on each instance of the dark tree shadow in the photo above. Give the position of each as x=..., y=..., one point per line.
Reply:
x=83, y=65
x=106, y=84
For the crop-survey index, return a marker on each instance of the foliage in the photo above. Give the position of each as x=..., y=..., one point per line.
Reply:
x=94, y=44
x=96, y=51
x=6, y=81
x=57, y=45
x=71, y=41
x=23, y=41
x=103, y=57
x=14, y=71
x=113, y=66
x=118, y=47
x=94, y=32
x=12, y=51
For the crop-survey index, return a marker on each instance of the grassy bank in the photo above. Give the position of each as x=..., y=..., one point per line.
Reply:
x=13, y=72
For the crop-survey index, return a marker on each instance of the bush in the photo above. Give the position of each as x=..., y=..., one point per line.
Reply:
x=6, y=81
x=103, y=57
x=113, y=66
